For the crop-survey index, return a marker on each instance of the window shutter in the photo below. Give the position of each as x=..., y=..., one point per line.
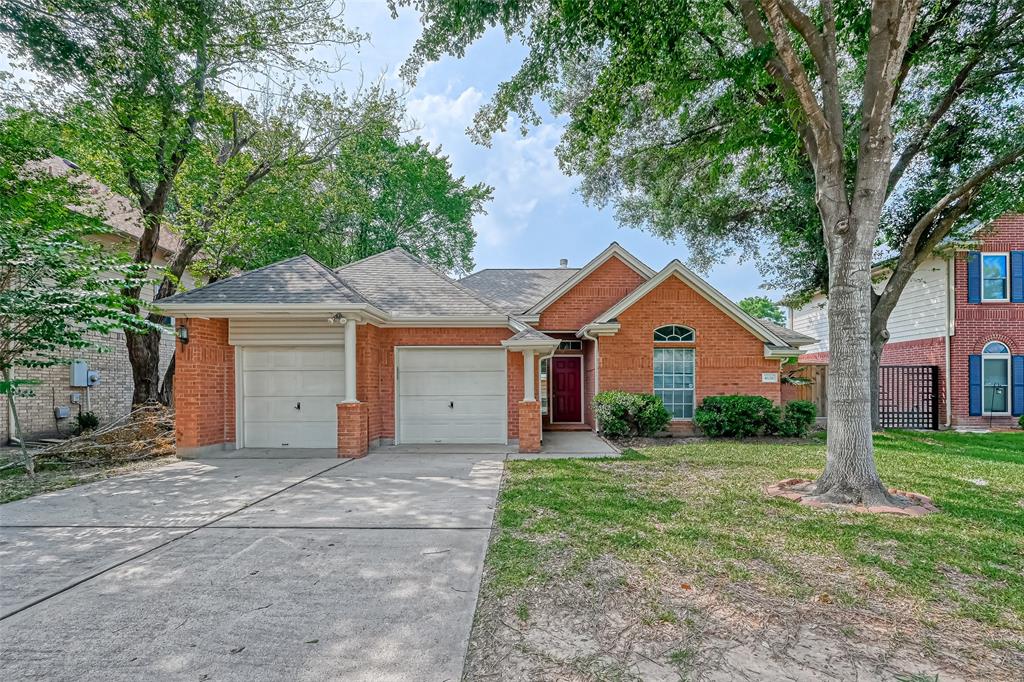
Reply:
x=1017, y=276
x=974, y=278
x=1017, y=394
x=974, y=384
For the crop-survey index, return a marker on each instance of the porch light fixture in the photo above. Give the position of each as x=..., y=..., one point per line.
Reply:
x=183, y=334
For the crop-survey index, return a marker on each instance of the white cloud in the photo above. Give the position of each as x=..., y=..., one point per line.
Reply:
x=442, y=119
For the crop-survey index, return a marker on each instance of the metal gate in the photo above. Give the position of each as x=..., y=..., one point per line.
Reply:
x=908, y=396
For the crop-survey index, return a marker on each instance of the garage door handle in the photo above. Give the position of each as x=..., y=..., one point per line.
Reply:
x=298, y=406
x=451, y=404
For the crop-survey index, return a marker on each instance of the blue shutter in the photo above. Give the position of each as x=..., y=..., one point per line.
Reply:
x=974, y=384
x=1017, y=276
x=974, y=279
x=1017, y=394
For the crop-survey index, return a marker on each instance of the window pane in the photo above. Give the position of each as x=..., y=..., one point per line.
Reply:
x=993, y=277
x=995, y=388
x=996, y=347
x=673, y=380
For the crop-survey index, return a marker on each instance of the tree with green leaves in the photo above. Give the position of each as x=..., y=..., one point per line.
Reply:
x=59, y=289
x=763, y=308
x=155, y=77
x=733, y=122
x=374, y=192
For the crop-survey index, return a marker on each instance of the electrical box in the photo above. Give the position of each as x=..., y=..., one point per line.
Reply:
x=62, y=412
x=79, y=374
x=93, y=377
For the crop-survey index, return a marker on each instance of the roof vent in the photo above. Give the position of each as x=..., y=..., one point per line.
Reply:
x=563, y=263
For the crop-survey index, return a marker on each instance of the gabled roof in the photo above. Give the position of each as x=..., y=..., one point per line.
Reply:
x=613, y=250
x=790, y=336
x=517, y=289
x=299, y=280
x=404, y=286
x=116, y=210
x=677, y=269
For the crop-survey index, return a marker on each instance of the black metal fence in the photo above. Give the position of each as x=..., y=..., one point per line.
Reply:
x=908, y=396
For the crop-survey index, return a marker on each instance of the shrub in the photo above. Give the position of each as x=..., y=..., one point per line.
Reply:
x=1020, y=422
x=797, y=417
x=630, y=414
x=737, y=416
x=86, y=421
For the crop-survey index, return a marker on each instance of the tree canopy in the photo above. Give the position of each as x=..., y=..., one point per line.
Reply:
x=762, y=308
x=822, y=129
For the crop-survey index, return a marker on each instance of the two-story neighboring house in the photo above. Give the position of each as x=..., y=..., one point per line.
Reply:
x=61, y=392
x=963, y=312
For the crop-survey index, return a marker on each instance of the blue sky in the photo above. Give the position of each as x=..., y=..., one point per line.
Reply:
x=536, y=216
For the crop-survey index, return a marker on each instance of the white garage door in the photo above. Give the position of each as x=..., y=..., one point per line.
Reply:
x=291, y=396
x=451, y=395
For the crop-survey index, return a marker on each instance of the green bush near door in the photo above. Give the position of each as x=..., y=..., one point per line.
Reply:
x=630, y=414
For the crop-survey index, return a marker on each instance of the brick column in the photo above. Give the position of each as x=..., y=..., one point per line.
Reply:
x=529, y=426
x=352, y=429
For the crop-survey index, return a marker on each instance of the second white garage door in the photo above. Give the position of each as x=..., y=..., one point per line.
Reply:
x=452, y=395
x=290, y=396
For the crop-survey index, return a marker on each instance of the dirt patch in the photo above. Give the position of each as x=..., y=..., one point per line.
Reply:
x=612, y=621
x=802, y=491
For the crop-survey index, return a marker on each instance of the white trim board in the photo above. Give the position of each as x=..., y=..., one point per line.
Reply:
x=688, y=277
x=613, y=250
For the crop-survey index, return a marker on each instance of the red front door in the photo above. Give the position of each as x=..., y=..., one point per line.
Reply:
x=566, y=389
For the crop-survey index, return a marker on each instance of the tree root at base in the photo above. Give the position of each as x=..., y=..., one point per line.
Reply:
x=872, y=499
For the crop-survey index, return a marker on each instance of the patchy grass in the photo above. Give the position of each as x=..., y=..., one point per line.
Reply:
x=684, y=542
x=51, y=476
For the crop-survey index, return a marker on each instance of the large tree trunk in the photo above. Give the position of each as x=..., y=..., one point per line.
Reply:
x=144, y=355
x=167, y=388
x=850, y=476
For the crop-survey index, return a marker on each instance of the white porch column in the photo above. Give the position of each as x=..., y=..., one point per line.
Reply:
x=528, y=372
x=350, y=360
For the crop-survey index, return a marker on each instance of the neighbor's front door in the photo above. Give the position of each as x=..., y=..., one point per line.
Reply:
x=566, y=389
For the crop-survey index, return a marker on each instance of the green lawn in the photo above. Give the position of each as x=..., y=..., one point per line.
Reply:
x=698, y=513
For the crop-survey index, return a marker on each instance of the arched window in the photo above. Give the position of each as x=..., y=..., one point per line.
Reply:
x=673, y=332
x=995, y=379
x=675, y=370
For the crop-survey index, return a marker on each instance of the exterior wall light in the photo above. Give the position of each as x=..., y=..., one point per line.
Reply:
x=183, y=334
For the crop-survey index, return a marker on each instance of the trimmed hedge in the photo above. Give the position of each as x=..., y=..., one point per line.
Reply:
x=630, y=414
x=743, y=416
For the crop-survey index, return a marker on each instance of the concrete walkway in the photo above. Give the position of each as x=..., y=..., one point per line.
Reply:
x=245, y=568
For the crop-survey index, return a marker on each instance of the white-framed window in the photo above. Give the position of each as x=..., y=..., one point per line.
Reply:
x=674, y=380
x=995, y=277
x=995, y=379
x=570, y=345
x=673, y=332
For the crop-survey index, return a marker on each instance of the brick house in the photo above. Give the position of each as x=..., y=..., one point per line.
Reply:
x=388, y=350
x=109, y=396
x=963, y=311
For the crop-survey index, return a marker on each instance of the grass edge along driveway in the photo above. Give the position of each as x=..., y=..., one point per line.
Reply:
x=657, y=540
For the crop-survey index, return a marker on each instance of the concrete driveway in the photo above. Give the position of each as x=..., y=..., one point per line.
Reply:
x=249, y=568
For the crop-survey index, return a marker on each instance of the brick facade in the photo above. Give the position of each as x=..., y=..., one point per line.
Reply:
x=729, y=359
x=529, y=426
x=974, y=325
x=110, y=399
x=204, y=387
x=594, y=294
x=353, y=420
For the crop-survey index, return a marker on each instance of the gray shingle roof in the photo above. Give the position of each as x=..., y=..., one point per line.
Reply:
x=793, y=338
x=517, y=290
x=397, y=282
x=297, y=280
